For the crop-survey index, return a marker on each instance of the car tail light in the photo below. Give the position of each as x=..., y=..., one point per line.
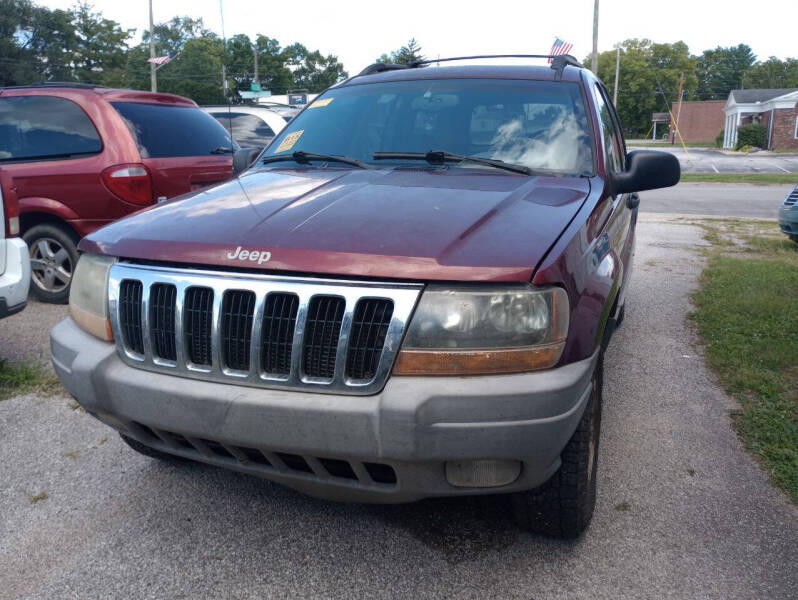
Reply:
x=10, y=202
x=131, y=183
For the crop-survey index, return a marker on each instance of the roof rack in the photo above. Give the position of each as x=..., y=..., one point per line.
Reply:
x=558, y=62
x=47, y=84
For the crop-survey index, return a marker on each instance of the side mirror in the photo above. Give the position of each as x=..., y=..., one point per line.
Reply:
x=242, y=159
x=647, y=170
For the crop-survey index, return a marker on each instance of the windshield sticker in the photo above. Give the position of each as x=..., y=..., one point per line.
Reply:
x=289, y=140
x=320, y=103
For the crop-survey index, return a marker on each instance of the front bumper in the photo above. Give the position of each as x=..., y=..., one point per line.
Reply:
x=414, y=425
x=15, y=278
x=788, y=219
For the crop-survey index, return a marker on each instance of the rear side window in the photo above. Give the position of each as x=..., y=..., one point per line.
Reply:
x=164, y=131
x=45, y=127
x=248, y=130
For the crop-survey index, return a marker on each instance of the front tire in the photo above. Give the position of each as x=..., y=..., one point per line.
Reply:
x=150, y=452
x=563, y=506
x=53, y=256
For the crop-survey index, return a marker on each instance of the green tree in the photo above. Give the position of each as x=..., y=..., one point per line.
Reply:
x=410, y=52
x=649, y=79
x=772, y=73
x=100, y=49
x=171, y=36
x=721, y=70
x=311, y=70
x=18, y=63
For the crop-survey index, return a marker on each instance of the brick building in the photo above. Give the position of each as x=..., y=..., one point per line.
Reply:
x=699, y=121
x=776, y=109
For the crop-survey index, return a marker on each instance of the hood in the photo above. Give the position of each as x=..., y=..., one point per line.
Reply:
x=452, y=224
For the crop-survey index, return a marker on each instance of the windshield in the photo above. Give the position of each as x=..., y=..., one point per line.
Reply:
x=537, y=124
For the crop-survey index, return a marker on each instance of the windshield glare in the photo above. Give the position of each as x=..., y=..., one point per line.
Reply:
x=537, y=124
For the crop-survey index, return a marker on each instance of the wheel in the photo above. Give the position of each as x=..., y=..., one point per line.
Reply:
x=563, y=506
x=151, y=452
x=621, y=315
x=794, y=237
x=53, y=256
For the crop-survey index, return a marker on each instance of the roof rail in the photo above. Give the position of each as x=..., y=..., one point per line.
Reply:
x=46, y=84
x=379, y=67
x=558, y=62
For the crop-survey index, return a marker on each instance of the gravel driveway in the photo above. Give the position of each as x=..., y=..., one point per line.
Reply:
x=683, y=511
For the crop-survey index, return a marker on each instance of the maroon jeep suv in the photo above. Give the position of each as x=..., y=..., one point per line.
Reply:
x=80, y=156
x=408, y=295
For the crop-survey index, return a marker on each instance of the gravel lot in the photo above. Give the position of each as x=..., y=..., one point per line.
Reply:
x=683, y=511
x=714, y=160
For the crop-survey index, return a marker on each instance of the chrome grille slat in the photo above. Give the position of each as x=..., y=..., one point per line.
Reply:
x=246, y=342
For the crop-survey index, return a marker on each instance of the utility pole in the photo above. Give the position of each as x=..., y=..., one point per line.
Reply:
x=153, y=81
x=617, y=68
x=678, y=110
x=255, y=56
x=594, y=61
x=224, y=53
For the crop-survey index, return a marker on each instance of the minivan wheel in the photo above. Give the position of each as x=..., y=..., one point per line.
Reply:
x=150, y=452
x=563, y=506
x=53, y=256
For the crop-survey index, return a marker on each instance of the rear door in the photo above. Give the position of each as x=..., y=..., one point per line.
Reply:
x=184, y=148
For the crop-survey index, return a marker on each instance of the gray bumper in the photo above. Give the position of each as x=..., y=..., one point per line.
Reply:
x=14, y=276
x=414, y=425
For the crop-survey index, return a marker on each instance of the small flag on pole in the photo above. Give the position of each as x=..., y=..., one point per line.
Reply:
x=160, y=60
x=560, y=47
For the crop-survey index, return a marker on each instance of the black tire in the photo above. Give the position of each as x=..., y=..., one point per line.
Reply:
x=793, y=237
x=54, y=255
x=563, y=506
x=621, y=315
x=151, y=452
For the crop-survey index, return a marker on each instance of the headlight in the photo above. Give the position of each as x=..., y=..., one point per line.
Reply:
x=480, y=330
x=88, y=295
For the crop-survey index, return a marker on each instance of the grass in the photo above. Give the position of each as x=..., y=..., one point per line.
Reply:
x=27, y=378
x=747, y=317
x=760, y=178
x=34, y=498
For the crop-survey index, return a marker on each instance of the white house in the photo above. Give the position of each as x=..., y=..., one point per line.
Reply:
x=777, y=109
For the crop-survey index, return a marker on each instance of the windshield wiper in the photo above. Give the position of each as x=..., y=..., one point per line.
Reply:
x=440, y=157
x=222, y=150
x=303, y=158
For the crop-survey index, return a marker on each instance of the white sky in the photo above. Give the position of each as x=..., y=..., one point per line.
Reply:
x=358, y=31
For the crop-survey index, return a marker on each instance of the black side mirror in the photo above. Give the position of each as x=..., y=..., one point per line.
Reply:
x=242, y=159
x=647, y=170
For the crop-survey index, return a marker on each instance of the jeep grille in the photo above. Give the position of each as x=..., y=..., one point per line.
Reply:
x=258, y=330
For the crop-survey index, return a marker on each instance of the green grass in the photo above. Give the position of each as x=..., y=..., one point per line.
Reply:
x=35, y=498
x=741, y=177
x=27, y=378
x=747, y=316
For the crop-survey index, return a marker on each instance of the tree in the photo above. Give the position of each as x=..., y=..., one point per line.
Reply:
x=311, y=70
x=100, y=47
x=721, y=70
x=649, y=79
x=773, y=73
x=171, y=36
x=18, y=62
x=411, y=52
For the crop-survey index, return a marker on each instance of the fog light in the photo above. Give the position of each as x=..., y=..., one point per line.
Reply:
x=482, y=473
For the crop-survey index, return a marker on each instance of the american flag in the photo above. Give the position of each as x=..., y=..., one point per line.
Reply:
x=560, y=47
x=160, y=60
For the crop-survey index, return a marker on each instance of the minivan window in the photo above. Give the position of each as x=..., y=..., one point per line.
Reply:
x=162, y=130
x=537, y=124
x=248, y=130
x=45, y=127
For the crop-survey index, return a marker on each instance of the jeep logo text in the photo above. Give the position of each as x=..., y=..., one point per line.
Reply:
x=250, y=255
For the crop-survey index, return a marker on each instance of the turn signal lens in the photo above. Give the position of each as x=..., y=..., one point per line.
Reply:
x=131, y=183
x=88, y=295
x=485, y=329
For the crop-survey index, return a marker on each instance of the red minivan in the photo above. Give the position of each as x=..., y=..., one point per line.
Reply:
x=81, y=156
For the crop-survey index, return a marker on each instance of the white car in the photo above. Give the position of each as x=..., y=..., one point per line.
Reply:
x=14, y=256
x=251, y=126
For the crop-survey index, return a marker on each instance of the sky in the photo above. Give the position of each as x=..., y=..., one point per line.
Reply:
x=358, y=31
